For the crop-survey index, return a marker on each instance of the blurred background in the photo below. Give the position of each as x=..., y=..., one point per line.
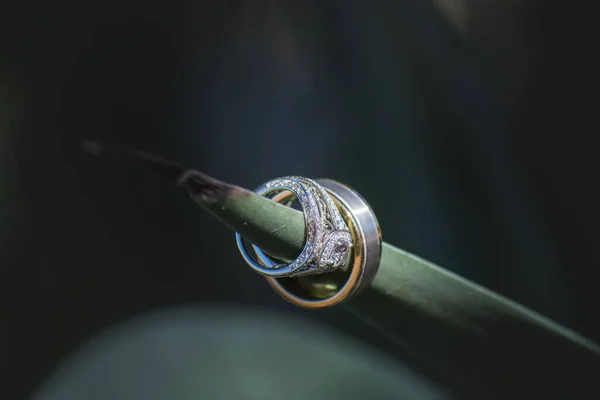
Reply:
x=468, y=125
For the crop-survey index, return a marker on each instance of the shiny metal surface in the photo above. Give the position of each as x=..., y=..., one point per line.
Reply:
x=367, y=225
x=328, y=290
x=328, y=240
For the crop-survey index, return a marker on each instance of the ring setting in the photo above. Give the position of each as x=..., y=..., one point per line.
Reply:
x=342, y=249
x=328, y=240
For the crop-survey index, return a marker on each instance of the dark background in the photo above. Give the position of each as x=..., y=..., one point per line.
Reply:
x=472, y=138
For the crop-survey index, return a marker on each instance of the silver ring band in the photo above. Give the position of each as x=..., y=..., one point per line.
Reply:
x=367, y=227
x=328, y=240
x=331, y=289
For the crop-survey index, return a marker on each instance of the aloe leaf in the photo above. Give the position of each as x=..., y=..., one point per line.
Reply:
x=462, y=330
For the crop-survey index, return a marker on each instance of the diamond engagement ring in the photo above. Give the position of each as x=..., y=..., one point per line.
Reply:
x=328, y=239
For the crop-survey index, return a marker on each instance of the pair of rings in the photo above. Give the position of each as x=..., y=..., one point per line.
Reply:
x=342, y=247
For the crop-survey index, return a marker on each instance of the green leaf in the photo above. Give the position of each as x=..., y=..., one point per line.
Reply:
x=485, y=342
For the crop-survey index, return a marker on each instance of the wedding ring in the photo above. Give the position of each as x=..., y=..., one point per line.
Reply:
x=328, y=240
x=342, y=251
x=327, y=290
